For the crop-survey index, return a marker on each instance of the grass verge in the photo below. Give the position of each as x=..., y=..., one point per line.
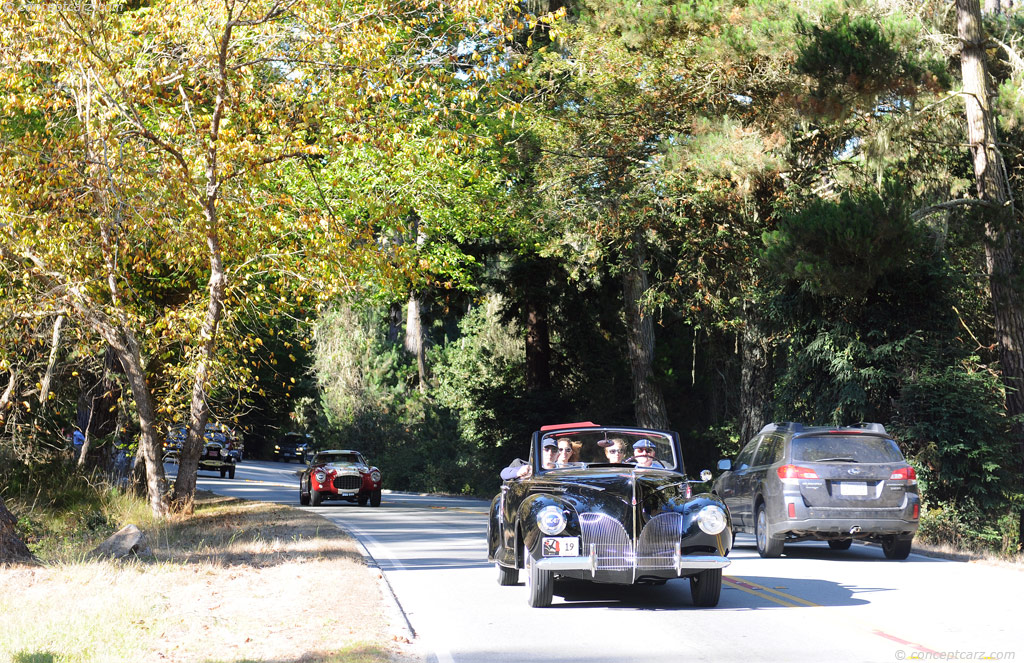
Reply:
x=236, y=582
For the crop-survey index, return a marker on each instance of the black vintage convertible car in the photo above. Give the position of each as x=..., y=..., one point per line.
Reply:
x=610, y=505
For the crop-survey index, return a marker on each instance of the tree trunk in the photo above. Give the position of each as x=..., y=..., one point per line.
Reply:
x=648, y=401
x=199, y=412
x=755, y=378
x=534, y=277
x=394, y=323
x=44, y=390
x=12, y=549
x=1003, y=241
x=538, y=345
x=149, y=446
x=414, y=339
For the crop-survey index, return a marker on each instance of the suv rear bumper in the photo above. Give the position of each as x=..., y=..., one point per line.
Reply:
x=839, y=522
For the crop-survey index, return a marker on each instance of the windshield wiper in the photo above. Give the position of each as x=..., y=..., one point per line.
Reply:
x=837, y=459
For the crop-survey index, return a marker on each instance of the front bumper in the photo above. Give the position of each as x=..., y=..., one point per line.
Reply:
x=677, y=562
x=205, y=464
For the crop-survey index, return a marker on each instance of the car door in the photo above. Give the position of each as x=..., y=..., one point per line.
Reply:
x=735, y=486
x=768, y=454
x=512, y=495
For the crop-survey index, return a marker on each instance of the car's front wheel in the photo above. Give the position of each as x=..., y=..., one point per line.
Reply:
x=766, y=545
x=375, y=498
x=507, y=576
x=896, y=547
x=540, y=584
x=223, y=472
x=303, y=495
x=840, y=544
x=315, y=498
x=231, y=472
x=362, y=499
x=706, y=588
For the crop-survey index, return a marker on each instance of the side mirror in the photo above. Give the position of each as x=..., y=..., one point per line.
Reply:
x=725, y=464
x=705, y=475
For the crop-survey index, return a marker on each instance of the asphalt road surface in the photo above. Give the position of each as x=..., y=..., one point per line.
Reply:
x=813, y=604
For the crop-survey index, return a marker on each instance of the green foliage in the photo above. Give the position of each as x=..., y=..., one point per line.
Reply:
x=963, y=525
x=858, y=58
x=844, y=247
x=953, y=424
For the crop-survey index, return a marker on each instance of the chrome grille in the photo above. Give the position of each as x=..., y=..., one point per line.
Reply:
x=348, y=482
x=606, y=539
x=659, y=541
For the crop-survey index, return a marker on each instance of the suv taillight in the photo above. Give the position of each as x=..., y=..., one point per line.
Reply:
x=904, y=474
x=796, y=472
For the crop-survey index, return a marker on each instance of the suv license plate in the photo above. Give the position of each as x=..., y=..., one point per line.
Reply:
x=853, y=488
x=561, y=546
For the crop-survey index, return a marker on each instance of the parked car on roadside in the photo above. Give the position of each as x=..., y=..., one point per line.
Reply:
x=608, y=504
x=793, y=482
x=293, y=446
x=340, y=474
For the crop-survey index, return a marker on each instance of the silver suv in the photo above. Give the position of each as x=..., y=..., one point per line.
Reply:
x=794, y=482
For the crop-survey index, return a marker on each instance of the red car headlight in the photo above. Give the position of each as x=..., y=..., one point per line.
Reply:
x=375, y=476
x=320, y=476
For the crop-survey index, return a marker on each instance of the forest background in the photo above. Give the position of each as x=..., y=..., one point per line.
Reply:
x=425, y=229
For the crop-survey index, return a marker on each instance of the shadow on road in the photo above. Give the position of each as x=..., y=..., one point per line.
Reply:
x=738, y=593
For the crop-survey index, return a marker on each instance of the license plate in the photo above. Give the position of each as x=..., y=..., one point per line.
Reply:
x=853, y=488
x=561, y=546
x=347, y=493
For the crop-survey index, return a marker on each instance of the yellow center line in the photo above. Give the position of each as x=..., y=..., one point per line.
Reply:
x=759, y=590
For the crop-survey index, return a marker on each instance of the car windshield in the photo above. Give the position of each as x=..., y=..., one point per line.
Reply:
x=337, y=458
x=846, y=449
x=582, y=448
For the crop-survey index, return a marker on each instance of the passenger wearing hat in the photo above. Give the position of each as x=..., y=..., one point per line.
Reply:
x=520, y=469
x=643, y=454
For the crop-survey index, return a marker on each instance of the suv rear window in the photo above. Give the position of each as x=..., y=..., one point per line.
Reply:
x=858, y=448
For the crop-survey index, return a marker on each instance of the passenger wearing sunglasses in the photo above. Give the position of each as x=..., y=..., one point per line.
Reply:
x=643, y=454
x=614, y=450
x=565, y=453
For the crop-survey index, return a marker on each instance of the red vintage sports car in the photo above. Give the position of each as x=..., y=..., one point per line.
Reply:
x=339, y=474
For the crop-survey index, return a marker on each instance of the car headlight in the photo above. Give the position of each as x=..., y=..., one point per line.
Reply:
x=551, y=520
x=711, y=519
x=320, y=477
x=375, y=476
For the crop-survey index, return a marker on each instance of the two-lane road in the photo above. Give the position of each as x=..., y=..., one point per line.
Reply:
x=814, y=604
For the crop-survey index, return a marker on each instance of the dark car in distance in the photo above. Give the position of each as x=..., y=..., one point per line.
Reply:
x=340, y=474
x=607, y=504
x=293, y=446
x=793, y=482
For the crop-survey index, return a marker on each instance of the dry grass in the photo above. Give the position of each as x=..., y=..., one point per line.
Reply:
x=973, y=556
x=237, y=582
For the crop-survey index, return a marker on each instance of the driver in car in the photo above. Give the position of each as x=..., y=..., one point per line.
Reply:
x=643, y=454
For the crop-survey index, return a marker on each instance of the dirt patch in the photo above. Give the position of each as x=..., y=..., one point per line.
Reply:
x=238, y=581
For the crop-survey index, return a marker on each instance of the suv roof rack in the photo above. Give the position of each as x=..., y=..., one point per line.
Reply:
x=795, y=427
x=788, y=426
x=869, y=426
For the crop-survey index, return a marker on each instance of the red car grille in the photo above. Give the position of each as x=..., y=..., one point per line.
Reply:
x=348, y=482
